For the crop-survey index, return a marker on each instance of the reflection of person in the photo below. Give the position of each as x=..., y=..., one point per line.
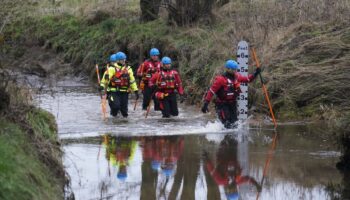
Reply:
x=163, y=152
x=228, y=171
x=120, y=151
x=171, y=149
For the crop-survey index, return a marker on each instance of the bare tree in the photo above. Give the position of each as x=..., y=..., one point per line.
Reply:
x=187, y=12
x=149, y=10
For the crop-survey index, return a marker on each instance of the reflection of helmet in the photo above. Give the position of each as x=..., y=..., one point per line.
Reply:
x=166, y=60
x=155, y=165
x=231, y=64
x=154, y=52
x=232, y=196
x=120, y=56
x=113, y=58
x=167, y=172
x=122, y=176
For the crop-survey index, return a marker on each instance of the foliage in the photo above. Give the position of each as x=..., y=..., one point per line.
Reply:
x=23, y=174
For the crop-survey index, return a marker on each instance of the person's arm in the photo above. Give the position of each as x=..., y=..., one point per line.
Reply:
x=248, y=179
x=132, y=81
x=178, y=81
x=247, y=79
x=153, y=81
x=140, y=70
x=104, y=80
x=214, y=88
x=107, y=76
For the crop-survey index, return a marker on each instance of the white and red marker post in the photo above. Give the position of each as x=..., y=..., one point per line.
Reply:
x=242, y=60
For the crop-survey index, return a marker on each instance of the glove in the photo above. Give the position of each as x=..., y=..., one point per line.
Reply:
x=182, y=98
x=101, y=88
x=137, y=95
x=205, y=107
x=257, y=72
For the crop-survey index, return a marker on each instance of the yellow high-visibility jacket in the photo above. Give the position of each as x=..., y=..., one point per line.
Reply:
x=119, y=78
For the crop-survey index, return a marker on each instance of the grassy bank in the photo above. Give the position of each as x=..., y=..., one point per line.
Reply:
x=31, y=159
x=27, y=171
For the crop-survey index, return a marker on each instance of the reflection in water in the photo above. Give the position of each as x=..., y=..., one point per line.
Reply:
x=227, y=172
x=119, y=152
x=160, y=156
x=212, y=166
x=167, y=174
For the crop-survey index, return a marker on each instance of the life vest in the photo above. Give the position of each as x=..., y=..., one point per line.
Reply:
x=167, y=80
x=229, y=92
x=121, y=78
x=151, y=70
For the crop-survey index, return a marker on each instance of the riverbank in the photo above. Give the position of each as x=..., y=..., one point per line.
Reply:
x=31, y=158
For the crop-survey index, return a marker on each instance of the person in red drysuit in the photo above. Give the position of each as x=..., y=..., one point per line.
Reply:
x=226, y=88
x=145, y=72
x=167, y=83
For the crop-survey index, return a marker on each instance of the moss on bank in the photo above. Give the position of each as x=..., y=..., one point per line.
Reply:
x=27, y=172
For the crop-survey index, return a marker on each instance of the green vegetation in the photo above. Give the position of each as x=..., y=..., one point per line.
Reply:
x=24, y=174
x=299, y=48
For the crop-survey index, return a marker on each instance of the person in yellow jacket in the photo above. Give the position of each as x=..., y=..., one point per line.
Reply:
x=117, y=81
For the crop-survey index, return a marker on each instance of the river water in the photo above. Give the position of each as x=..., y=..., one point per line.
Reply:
x=188, y=157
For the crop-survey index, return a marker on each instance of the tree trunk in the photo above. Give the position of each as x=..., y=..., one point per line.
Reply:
x=187, y=12
x=149, y=10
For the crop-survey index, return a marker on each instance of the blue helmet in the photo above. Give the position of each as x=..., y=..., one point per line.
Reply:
x=231, y=64
x=168, y=172
x=232, y=196
x=122, y=176
x=155, y=165
x=120, y=56
x=166, y=60
x=113, y=58
x=154, y=52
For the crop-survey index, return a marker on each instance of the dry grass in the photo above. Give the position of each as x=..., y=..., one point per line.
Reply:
x=290, y=38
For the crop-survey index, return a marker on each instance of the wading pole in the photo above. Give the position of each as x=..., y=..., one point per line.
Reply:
x=104, y=96
x=267, y=163
x=264, y=89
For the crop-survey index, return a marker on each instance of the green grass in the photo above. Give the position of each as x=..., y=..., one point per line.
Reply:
x=43, y=123
x=22, y=174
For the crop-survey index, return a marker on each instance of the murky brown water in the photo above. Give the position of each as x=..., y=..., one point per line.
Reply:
x=188, y=157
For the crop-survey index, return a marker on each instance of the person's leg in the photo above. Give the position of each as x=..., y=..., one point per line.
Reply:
x=124, y=100
x=114, y=103
x=147, y=93
x=165, y=107
x=231, y=115
x=174, y=111
x=220, y=112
